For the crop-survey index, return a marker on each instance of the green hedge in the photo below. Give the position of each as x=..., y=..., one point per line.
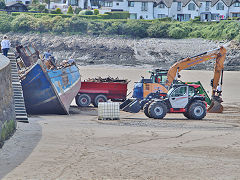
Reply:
x=39, y=15
x=108, y=15
x=103, y=24
x=118, y=15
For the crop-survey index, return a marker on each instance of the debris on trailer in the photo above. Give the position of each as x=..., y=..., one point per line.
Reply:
x=108, y=79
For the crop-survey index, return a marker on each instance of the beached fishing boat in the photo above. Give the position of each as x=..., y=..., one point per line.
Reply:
x=47, y=88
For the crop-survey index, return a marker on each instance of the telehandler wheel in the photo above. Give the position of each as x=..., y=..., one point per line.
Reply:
x=157, y=110
x=146, y=107
x=197, y=110
x=186, y=114
x=99, y=98
x=83, y=100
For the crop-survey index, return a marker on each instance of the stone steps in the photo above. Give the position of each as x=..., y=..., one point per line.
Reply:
x=20, y=110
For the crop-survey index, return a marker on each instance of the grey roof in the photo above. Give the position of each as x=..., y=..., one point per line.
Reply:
x=226, y=2
x=185, y=2
x=168, y=3
x=14, y=3
x=143, y=0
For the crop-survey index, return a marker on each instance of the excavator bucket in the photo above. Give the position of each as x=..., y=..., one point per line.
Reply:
x=216, y=106
x=131, y=105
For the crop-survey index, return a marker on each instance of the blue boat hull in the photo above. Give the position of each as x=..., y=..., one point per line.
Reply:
x=50, y=91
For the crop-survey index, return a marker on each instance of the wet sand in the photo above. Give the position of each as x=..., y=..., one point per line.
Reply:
x=79, y=146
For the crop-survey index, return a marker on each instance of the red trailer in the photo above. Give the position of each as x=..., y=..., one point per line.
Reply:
x=95, y=92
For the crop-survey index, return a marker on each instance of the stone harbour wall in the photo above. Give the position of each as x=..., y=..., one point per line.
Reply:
x=7, y=110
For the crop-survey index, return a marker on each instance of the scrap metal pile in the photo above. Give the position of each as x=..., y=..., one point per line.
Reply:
x=108, y=79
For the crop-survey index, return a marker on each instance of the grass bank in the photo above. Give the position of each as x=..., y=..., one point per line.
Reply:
x=223, y=30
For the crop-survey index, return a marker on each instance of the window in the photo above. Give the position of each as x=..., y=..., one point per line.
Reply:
x=208, y=3
x=117, y=4
x=237, y=4
x=108, y=4
x=133, y=16
x=27, y=2
x=161, y=16
x=27, y=51
x=220, y=6
x=191, y=91
x=161, y=5
x=31, y=49
x=236, y=15
x=144, y=6
x=179, y=6
x=183, y=17
x=187, y=17
x=130, y=4
x=181, y=91
x=73, y=2
x=191, y=6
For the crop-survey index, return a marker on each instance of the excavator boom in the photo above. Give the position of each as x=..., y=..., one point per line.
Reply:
x=218, y=54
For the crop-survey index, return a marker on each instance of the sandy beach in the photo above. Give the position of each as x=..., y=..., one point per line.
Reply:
x=79, y=146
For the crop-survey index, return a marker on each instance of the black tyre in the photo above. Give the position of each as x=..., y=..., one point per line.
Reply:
x=99, y=98
x=186, y=115
x=157, y=110
x=197, y=110
x=83, y=100
x=146, y=107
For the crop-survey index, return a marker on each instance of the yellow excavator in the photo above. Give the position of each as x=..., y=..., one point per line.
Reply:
x=161, y=81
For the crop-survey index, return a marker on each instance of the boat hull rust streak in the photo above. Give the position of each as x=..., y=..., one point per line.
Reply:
x=50, y=91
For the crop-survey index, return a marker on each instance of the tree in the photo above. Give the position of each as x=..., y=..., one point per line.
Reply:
x=88, y=12
x=2, y=4
x=77, y=10
x=70, y=10
x=35, y=1
x=96, y=11
x=58, y=11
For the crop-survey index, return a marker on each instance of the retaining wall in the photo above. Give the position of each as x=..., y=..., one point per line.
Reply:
x=7, y=111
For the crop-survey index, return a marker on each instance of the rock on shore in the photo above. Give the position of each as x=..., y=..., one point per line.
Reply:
x=161, y=53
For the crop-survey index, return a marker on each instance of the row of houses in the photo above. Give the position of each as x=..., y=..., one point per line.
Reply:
x=181, y=10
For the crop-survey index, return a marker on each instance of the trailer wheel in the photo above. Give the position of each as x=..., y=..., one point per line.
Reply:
x=83, y=100
x=157, y=110
x=99, y=98
x=197, y=110
x=146, y=107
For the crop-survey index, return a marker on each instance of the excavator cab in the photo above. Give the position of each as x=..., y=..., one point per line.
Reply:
x=155, y=83
x=159, y=76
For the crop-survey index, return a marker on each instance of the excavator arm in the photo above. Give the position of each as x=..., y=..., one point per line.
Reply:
x=218, y=54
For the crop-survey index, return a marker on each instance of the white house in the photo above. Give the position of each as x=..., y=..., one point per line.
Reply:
x=213, y=10
x=184, y=10
x=111, y=5
x=234, y=9
x=141, y=9
x=26, y=2
x=181, y=10
x=162, y=9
